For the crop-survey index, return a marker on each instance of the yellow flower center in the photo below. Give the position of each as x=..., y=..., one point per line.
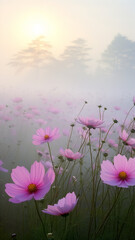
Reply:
x=46, y=137
x=122, y=175
x=32, y=188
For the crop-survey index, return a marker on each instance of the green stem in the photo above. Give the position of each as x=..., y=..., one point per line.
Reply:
x=107, y=215
x=70, y=136
x=81, y=109
x=127, y=115
x=51, y=155
x=43, y=226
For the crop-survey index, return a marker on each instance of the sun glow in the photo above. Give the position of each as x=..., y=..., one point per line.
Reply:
x=38, y=29
x=36, y=26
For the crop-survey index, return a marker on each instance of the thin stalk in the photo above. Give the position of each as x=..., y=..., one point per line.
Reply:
x=43, y=226
x=127, y=115
x=70, y=137
x=51, y=155
x=107, y=215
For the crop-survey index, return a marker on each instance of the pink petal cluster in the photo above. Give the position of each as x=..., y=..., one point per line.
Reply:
x=17, y=100
x=125, y=137
x=63, y=207
x=45, y=135
x=117, y=108
x=26, y=186
x=1, y=168
x=70, y=155
x=112, y=143
x=28, y=115
x=120, y=174
x=90, y=122
x=40, y=121
x=53, y=110
x=48, y=164
x=131, y=142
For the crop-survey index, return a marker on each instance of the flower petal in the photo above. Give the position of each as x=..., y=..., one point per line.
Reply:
x=37, y=173
x=20, y=176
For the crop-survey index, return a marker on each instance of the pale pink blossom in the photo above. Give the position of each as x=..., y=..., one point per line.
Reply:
x=1, y=168
x=28, y=115
x=26, y=186
x=123, y=135
x=116, y=108
x=70, y=155
x=66, y=132
x=41, y=121
x=90, y=122
x=112, y=143
x=63, y=207
x=17, y=100
x=48, y=164
x=36, y=112
x=2, y=107
x=45, y=135
x=18, y=107
x=131, y=142
x=53, y=110
x=120, y=174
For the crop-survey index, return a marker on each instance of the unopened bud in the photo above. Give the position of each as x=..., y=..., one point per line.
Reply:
x=105, y=154
x=115, y=121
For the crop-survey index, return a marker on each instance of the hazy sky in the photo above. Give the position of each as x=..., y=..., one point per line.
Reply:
x=97, y=21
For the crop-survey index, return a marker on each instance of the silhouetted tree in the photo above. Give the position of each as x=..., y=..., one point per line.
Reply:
x=37, y=55
x=120, y=54
x=76, y=56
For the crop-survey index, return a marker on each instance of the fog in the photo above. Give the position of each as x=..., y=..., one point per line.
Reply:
x=34, y=72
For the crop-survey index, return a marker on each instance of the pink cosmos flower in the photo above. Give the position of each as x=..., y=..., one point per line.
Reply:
x=1, y=168
x=112, y=143
x=70, y=155
x=28, y=115
x=45, y=135
x=18, y=107
x=6, y=118
x=2, y=107
x=53, y=110
x=45, y=154
x=131, y=142
x=36, y=112
x=116, y=108
x=17, y=100
x=90, y=122
x=26, y=186
x=66, y=132
x=120, y=174
x=104, y=130
x=63, y=207
x=123, y=135
x=40, y=121
x=48, y=164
